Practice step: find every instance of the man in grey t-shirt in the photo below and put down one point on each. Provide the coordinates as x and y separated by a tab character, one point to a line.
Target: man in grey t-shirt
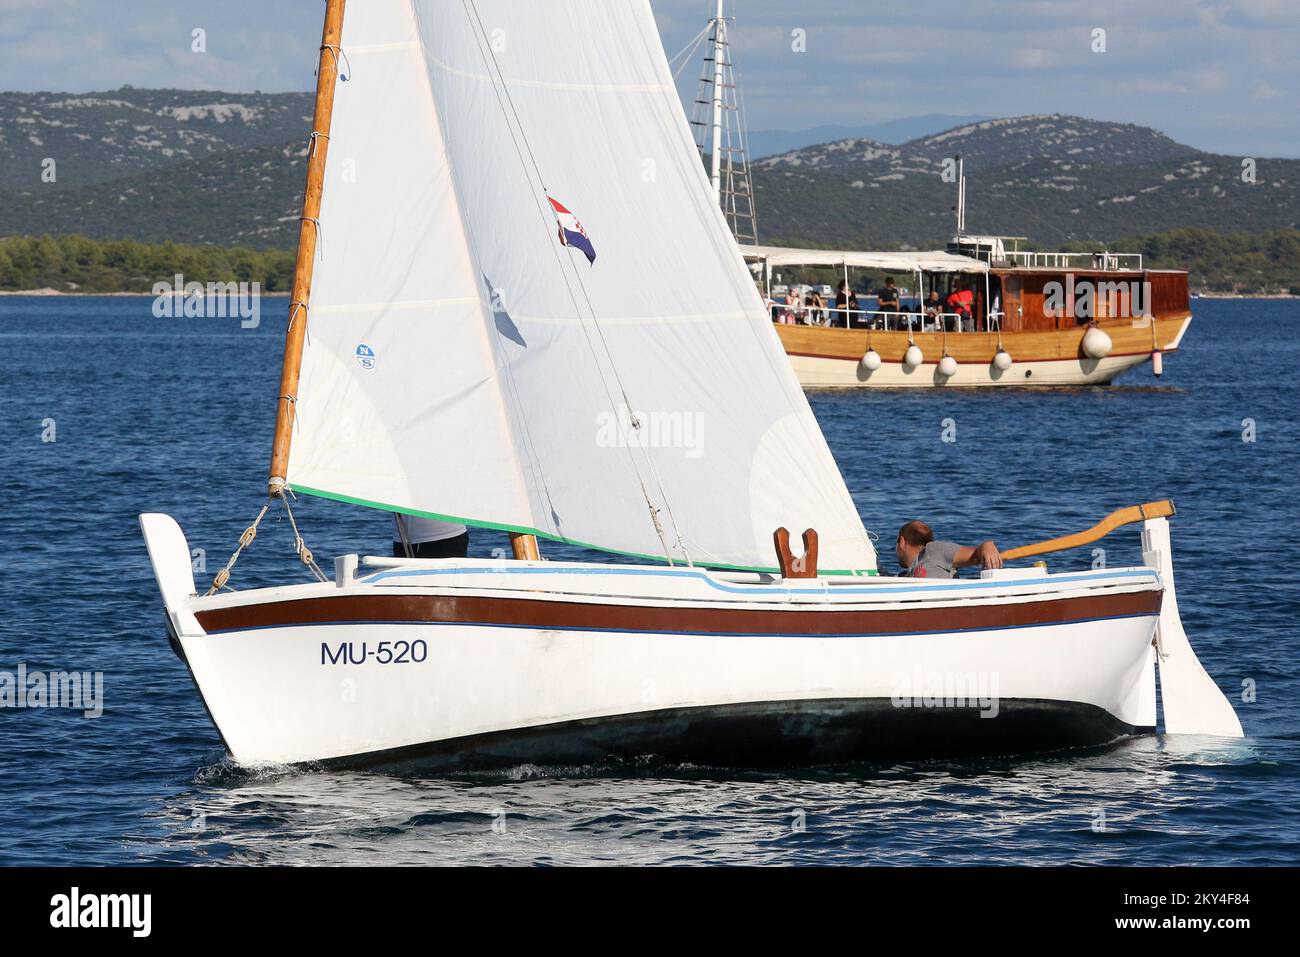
920	556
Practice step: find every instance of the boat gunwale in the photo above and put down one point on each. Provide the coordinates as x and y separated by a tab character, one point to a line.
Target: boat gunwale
836	600
547	613
873	585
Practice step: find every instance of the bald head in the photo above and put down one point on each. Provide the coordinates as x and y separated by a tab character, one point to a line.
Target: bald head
912	538
916	533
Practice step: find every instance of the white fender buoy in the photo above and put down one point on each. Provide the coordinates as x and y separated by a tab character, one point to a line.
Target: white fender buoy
1157	362
947	367
1096	344
1002	359
913	357
871	360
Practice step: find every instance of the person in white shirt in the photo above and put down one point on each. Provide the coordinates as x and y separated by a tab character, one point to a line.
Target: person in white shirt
428	538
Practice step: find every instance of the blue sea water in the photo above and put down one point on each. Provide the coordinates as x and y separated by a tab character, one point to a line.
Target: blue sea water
175	415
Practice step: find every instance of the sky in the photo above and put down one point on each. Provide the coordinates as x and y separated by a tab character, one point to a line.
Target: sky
1219	75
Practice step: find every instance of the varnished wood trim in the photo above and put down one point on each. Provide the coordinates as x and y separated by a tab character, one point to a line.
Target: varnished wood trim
976	348
566	615
1113	355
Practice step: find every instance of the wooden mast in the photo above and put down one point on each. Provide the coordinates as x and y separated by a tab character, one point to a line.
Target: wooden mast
525	547
327	71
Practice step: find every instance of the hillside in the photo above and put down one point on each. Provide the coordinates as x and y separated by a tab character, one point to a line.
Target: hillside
1055	140
190	166
99	137
771	142
1052	178
227	169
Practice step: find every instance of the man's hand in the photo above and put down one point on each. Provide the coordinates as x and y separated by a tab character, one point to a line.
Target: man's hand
988	555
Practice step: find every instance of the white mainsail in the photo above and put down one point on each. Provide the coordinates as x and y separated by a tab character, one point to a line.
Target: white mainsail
462	363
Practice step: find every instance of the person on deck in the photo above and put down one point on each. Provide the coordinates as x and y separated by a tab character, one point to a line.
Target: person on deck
793	305
962	302
429	538
815	307
846	305
887	299
920	556
933	307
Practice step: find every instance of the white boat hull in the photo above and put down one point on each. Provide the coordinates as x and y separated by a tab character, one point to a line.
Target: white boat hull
832	358
468	663
484	695
822	372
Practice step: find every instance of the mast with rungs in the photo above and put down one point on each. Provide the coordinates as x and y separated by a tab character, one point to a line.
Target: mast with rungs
719	133
327	72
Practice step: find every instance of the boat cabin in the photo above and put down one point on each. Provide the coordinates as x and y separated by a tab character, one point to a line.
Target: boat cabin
1036	290
984	284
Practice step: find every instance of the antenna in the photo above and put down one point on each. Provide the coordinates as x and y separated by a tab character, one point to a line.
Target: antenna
961	196
719	34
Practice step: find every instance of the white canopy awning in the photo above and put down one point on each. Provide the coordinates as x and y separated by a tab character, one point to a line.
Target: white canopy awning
931	261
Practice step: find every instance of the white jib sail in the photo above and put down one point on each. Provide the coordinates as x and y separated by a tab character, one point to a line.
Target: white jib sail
462	363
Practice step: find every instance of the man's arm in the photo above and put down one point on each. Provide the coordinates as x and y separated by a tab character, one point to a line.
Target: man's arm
985	554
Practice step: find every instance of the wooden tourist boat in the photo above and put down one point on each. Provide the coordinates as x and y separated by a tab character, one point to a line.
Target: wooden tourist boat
1036	318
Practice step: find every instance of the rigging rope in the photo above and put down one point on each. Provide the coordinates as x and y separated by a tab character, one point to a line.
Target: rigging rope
299	546
304	553
313	140
335	51
320	232
250	533
689	50
293	310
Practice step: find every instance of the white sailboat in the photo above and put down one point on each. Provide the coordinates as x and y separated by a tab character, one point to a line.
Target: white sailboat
467	351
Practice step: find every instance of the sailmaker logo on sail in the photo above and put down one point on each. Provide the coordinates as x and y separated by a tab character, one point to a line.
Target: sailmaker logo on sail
571	231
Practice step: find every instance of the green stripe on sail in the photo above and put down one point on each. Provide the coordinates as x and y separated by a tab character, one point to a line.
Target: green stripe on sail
525	530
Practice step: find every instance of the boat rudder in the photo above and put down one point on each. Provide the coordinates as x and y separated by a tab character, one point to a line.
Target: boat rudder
1191	701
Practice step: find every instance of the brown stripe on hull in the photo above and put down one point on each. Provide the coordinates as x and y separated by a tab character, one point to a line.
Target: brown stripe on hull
562	615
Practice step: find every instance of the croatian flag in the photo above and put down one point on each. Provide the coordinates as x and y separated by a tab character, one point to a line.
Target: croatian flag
571	231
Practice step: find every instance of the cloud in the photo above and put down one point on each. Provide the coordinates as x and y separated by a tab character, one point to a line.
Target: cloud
865	62
1031	58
